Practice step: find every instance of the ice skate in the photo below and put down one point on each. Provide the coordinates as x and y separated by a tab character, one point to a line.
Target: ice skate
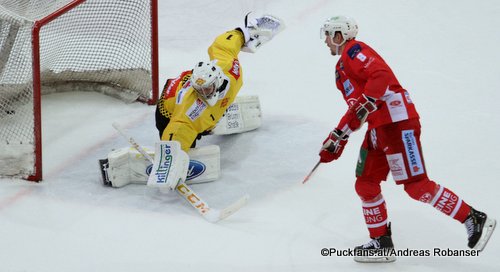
479	228
103	166
378	250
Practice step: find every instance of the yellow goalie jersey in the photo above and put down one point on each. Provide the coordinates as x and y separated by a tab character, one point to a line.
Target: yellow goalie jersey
189	115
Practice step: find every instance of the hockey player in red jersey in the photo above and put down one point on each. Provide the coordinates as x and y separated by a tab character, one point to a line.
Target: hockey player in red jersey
392	141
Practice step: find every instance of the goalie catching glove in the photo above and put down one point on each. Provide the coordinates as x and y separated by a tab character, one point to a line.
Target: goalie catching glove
260	29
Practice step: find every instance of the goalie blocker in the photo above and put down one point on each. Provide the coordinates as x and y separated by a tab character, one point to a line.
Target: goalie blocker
126	165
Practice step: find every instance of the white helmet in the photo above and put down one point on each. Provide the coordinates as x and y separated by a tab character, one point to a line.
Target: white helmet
206	79
345	25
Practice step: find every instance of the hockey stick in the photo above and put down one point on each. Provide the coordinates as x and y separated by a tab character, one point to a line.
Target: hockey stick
132	142
310	173
211	215
325	146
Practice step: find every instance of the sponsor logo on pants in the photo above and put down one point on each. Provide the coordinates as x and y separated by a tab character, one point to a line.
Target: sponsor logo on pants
397	166
412	153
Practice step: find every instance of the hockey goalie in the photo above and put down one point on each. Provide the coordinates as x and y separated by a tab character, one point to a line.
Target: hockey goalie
199	102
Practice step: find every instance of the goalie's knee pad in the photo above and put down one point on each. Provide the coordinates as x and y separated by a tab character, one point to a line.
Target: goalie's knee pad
243	115
422	190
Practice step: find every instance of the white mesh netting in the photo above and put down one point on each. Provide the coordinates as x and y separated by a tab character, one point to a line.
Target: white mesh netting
99	45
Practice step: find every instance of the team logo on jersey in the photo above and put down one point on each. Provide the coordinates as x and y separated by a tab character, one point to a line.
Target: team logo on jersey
235	69
337	75
196	168
412	153
196	109
348	87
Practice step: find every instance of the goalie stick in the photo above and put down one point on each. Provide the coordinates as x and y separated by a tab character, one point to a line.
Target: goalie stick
210	214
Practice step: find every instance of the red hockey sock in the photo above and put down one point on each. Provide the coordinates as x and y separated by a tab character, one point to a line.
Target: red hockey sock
450	204
375	214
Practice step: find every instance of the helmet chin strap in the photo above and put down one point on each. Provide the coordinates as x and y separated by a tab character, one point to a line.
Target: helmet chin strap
337	45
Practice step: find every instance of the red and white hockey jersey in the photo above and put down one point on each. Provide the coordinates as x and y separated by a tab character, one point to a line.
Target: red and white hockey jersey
360	70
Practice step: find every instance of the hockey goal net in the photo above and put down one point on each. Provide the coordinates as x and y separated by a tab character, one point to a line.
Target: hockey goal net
46	46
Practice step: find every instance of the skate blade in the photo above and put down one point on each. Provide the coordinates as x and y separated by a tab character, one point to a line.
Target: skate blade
488	229
385	259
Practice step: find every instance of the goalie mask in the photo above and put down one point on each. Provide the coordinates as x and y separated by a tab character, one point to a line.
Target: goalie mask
206	80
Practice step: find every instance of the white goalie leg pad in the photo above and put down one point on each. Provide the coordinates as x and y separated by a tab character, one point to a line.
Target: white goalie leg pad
170	166
204	164
127	165
243	115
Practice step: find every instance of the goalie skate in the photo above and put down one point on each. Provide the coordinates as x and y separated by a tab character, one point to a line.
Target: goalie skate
103	166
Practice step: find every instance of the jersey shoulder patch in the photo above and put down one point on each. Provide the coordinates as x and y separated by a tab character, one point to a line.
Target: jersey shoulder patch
185	76
172	85
354	50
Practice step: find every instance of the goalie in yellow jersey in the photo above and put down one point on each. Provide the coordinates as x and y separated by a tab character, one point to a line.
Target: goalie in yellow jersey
198	102
192	104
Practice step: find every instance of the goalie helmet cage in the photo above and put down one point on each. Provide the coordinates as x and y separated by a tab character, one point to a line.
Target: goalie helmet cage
48	46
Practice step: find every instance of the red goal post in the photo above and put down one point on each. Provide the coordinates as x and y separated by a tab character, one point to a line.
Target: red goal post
48	46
